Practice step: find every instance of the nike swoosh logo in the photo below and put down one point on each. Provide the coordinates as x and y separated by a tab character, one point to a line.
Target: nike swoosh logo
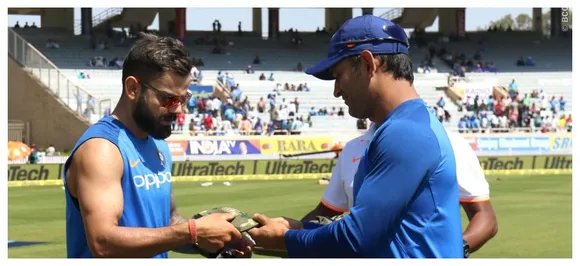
355	159
135	163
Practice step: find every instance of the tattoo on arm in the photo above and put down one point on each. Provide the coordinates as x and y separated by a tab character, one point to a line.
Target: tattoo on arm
175	217
178	219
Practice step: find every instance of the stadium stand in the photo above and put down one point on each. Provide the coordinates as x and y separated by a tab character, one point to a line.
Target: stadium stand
74	54
504	49
508	93
94	65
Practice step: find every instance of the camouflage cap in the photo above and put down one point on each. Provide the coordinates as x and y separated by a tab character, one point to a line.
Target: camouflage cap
242	221
326	220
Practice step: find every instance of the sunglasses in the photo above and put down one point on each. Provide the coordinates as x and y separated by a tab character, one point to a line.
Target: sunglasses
169	100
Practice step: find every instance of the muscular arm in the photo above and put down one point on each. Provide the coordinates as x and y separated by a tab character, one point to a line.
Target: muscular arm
482	224
94	178
176	219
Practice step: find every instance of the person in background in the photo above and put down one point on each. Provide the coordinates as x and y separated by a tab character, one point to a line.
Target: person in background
33	157
50	150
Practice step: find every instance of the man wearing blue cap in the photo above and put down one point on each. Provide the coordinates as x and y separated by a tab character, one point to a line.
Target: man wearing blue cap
406	202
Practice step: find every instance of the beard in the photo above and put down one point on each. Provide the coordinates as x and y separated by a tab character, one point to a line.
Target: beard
149	122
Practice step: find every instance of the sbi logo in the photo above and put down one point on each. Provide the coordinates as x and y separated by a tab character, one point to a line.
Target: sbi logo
562	143
149	181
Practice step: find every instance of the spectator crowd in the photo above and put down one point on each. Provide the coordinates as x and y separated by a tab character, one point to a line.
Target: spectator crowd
537	111
209	115
274	114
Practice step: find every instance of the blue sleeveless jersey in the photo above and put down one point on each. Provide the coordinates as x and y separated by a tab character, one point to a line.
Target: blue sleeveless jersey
146	184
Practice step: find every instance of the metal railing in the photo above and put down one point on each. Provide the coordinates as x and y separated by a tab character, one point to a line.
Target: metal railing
64	89
185	133
317	132
393	13
506	130
99	18
19	131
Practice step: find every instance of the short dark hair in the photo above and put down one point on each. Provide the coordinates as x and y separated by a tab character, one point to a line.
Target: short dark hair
152	56
399	65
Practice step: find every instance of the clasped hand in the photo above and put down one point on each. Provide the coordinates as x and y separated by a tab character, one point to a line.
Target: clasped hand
215	232
271	234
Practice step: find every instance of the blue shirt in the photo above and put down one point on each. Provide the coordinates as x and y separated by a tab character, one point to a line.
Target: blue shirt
230	82
513	86
284	124
296	125
406	197
229	114
236	95
192	102
553	103
146	184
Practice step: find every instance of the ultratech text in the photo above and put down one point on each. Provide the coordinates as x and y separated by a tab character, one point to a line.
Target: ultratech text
502	163
300	167
208	169
555	162
33	172
526	162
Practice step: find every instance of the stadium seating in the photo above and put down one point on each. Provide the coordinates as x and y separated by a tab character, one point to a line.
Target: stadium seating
553	84
75	51
281	57
504	49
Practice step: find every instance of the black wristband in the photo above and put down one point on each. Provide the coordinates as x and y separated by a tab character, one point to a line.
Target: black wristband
466	249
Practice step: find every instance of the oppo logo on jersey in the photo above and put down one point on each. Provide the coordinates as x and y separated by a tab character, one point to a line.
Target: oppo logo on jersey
149	181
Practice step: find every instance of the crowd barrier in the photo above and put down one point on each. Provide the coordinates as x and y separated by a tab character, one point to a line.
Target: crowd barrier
236	170
267	147
507	144
522	143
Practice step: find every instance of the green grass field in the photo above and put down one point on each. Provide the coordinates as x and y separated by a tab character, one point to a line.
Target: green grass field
534	212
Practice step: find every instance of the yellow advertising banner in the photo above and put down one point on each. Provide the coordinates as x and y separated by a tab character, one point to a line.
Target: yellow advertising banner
294	145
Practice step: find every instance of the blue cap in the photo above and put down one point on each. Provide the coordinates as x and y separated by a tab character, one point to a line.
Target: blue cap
367	32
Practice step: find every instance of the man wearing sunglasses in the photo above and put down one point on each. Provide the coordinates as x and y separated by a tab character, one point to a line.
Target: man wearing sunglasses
119	200
406	202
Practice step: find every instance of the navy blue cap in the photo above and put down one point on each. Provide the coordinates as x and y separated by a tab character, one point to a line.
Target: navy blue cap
367	32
